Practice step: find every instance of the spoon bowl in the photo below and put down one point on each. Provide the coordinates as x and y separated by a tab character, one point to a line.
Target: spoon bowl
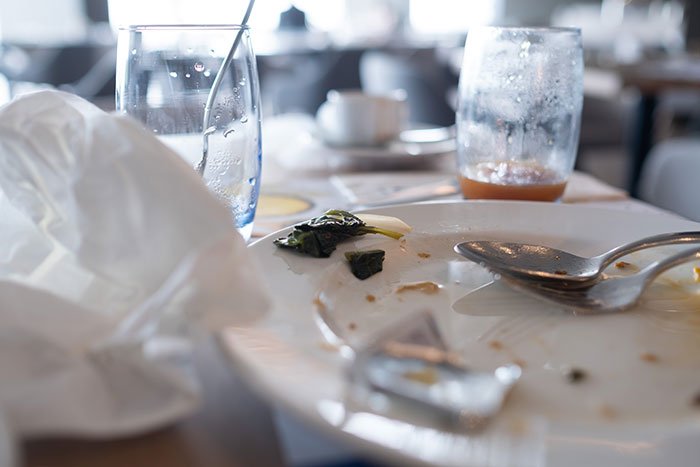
553	267
610	295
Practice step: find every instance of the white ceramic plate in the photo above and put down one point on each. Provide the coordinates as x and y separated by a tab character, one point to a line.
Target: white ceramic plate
636	405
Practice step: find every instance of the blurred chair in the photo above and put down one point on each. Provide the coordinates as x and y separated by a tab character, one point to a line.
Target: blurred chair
671	177
418	72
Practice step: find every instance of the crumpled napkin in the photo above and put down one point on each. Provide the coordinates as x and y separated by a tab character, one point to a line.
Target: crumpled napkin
113	254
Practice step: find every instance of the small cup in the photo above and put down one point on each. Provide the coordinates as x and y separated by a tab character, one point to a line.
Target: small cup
353	118
519	112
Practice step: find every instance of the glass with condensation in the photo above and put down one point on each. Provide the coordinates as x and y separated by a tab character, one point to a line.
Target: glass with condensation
519	112
165	74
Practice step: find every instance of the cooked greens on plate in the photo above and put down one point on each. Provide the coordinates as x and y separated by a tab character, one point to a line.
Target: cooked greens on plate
319	236
364	264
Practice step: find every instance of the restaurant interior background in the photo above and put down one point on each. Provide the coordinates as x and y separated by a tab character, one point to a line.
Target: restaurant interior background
307	47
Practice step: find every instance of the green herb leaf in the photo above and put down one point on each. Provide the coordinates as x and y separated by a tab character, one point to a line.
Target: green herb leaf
364	264
319	236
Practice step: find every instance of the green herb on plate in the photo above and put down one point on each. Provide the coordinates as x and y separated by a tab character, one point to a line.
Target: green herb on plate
319	236
364	264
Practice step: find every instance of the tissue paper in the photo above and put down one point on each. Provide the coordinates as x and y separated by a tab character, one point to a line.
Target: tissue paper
113	250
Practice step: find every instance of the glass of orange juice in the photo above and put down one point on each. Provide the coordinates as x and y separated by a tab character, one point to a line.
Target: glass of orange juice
519	112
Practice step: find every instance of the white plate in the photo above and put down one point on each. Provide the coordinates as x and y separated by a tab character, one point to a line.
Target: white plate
643	367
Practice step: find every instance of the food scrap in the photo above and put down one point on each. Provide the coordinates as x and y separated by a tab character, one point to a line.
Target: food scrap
428	288
427	376
607	411
695	401
649	357
696	274
622	264
561	272
364	264
575	375
370	298
424	255
495	345
318	237
352	326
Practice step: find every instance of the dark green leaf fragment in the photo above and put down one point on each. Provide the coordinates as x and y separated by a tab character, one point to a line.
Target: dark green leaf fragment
319	236
364	264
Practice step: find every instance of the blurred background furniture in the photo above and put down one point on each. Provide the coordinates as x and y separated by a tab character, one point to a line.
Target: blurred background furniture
669	177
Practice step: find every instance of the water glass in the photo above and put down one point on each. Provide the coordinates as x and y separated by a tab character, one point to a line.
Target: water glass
164	77
519	112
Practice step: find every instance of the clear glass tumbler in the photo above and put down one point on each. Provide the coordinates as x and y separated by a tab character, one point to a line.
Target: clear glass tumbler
519	112
164	76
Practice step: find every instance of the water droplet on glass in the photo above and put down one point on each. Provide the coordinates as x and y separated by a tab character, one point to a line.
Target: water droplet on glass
510	139
244	119
133	51
207	73
199	67
241	82
210	131
187	75
252	181
550	142
212	52
518	99
173	74
189	50
525	48
228	131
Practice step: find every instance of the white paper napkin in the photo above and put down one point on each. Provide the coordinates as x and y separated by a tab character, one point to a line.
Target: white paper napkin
113	253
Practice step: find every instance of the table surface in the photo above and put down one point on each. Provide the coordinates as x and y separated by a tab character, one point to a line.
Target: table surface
234	427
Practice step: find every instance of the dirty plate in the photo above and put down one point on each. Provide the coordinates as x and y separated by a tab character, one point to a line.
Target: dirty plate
619	389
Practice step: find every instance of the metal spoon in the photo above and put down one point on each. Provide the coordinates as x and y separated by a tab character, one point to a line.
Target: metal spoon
613	294
555	267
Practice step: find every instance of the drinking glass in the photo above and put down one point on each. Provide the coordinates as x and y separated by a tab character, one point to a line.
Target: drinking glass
164	77
519	112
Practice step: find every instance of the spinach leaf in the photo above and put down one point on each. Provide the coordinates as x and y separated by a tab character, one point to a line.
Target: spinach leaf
319	236
364	264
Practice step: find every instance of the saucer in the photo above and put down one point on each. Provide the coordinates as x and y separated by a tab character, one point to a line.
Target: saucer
414	147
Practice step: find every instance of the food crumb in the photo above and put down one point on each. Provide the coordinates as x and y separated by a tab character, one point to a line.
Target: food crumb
575	375
327	346
695	401
649	357
428	288
424	255
520	363
352	326
622	264
495	345
557	257
607	411
427	376
696	274
561	272
370	298
318	303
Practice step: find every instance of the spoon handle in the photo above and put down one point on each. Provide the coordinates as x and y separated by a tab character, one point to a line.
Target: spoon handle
673	238
654	269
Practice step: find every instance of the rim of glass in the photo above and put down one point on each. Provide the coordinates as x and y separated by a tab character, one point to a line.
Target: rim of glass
533	28
169	27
